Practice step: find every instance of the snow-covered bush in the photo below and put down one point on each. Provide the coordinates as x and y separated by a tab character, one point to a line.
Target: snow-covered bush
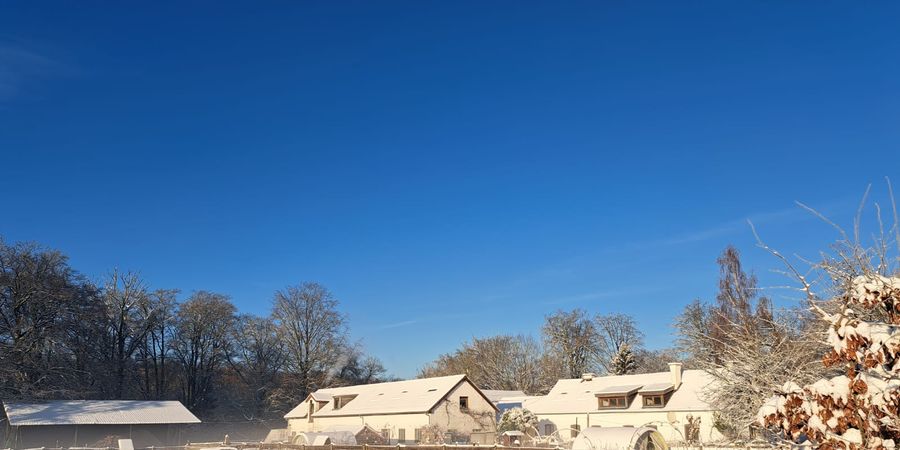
517	419
860	409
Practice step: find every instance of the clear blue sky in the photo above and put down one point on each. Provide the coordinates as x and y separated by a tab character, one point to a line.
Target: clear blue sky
447	169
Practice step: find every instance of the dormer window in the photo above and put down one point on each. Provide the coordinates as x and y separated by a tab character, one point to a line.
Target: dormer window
341	401
654	401
613	402
616	397
656	395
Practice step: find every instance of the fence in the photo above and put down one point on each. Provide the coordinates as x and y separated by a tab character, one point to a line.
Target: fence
277	446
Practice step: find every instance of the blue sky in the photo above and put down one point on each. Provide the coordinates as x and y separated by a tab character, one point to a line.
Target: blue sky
447	169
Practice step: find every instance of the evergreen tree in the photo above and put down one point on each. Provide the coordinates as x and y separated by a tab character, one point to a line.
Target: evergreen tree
624	362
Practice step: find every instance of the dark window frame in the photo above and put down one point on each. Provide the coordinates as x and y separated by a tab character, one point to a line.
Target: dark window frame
464	403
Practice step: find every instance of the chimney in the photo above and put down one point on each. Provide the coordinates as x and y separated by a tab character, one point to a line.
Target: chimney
675	368
587	376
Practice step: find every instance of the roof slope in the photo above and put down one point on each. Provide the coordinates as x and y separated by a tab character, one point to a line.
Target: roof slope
97	412
578	396
397	397
497	395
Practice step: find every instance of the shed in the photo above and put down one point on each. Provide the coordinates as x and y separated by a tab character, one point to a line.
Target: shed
74	423
512	438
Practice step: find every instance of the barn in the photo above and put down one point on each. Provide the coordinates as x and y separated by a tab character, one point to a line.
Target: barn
94	423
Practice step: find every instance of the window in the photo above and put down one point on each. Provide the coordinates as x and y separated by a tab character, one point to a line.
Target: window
548	429
464	404
340	402
612	402
401	435
575	430
386	434
654	401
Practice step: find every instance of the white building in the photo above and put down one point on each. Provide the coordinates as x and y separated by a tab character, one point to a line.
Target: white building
663	400
75	423
402	411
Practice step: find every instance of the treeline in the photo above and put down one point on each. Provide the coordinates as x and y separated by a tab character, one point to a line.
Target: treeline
739	338
63	336
571	343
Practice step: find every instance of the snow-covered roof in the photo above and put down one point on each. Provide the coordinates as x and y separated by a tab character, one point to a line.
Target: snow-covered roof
495	395
627	389
657	388
580	396
97	412
397	397
320	396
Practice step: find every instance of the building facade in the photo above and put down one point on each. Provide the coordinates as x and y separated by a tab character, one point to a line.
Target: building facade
92	423
672	402
423	410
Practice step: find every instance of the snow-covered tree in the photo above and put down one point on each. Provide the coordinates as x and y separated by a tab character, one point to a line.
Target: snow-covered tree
857	406
624	362
517	419
860	409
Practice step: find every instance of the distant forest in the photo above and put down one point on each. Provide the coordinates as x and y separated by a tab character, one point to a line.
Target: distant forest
64	336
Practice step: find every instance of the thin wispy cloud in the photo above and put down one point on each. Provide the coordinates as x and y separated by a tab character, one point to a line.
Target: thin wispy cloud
390	326
786	215
739	225
22	67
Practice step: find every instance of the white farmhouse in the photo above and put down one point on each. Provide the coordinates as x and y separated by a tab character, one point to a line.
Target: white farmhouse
664	400
402	411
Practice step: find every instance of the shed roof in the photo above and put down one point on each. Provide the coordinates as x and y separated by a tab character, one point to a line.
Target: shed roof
495	395
618	390
580	396
97	412
657	388
397	397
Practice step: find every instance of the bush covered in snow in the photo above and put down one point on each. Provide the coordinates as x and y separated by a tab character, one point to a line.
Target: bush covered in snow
860	409
517	419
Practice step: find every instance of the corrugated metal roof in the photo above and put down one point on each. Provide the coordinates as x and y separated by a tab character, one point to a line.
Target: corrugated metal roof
97	412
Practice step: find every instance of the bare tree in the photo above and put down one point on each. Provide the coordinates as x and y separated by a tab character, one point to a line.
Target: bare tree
200	343
651	361
615	332
129	317
356	367
40	296
154	355
256	357
498	362
572	338
746	347
314	334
